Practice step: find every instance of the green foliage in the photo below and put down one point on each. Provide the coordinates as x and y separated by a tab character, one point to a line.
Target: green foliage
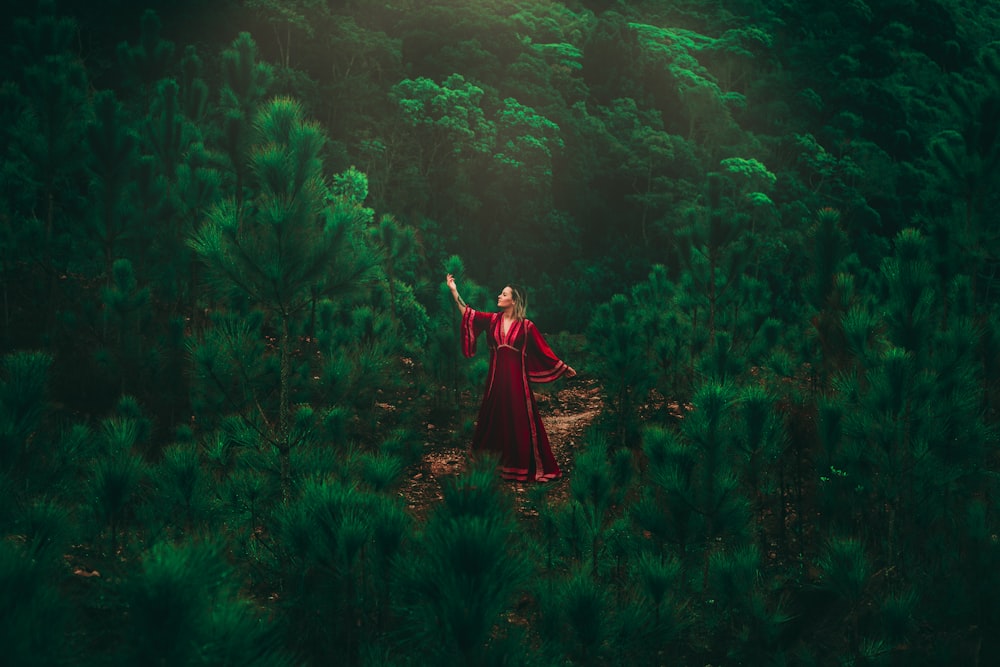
846	570
24	378
760	438
660	578
621	367
113	489
33	615
47	527
246	80
382	471
600	482
182	485
112	155
292	244
800	354
186	610
580	612
147	61
675	53
829	245
230	358
912	299
463	575
450	376
450	112
334	545
289	213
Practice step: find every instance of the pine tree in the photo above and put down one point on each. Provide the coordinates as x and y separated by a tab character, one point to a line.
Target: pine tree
714	294
185	608
600	481
182	486
664	331
284	248
622	367
114	489
694	501
245	84
127	311
462	577
149	61
966	158
24	406
903	436
334	551
112	156
47	142
34	617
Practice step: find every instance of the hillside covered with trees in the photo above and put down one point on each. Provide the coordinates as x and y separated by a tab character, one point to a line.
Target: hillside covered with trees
765	232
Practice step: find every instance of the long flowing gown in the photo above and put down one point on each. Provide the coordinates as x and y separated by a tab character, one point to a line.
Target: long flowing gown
509	424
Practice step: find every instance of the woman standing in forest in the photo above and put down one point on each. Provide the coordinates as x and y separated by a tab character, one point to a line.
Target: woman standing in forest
509	424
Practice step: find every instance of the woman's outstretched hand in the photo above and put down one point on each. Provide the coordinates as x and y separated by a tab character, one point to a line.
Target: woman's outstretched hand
570	372
450	281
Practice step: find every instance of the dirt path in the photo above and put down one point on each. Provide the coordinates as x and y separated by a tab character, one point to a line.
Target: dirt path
566	414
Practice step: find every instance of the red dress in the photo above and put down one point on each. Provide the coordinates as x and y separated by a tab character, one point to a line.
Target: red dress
509	424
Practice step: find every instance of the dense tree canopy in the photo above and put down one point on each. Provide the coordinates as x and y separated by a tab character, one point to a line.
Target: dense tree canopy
765	229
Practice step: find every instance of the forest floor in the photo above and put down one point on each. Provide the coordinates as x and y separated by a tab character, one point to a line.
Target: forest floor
566	414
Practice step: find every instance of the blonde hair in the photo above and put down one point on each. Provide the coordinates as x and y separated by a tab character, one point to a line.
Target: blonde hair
520	298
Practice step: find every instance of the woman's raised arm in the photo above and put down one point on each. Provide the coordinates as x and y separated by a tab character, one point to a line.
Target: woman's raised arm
450	280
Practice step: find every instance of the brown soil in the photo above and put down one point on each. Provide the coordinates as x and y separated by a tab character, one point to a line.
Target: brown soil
566	413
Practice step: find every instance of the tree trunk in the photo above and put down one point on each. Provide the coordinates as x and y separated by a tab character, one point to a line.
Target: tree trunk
284	445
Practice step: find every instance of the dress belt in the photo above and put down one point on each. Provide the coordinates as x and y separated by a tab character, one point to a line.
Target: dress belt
506	345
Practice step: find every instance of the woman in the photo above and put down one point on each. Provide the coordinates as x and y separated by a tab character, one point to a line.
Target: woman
509	424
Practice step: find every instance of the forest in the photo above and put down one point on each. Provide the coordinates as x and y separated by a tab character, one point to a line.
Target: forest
765	234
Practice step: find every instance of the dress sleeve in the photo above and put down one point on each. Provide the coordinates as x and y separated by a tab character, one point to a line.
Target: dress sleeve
540	362
473	324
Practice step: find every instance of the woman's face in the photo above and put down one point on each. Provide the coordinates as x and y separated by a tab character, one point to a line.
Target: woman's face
505	299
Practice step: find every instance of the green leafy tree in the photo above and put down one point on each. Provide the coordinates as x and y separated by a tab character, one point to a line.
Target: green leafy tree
127	313
695	477
966	159
336	548
463	576
519	196
290	22
725	305
707	108
24	409
112	156
622	366
47	142
902	433
642	156
449	129
34	614
187	609
291	244
245	83
151	59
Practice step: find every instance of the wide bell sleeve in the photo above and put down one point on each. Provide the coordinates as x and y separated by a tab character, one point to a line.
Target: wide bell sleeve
473	324
540	363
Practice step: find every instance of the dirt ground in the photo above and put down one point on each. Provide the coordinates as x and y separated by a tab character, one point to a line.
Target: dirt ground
566	414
